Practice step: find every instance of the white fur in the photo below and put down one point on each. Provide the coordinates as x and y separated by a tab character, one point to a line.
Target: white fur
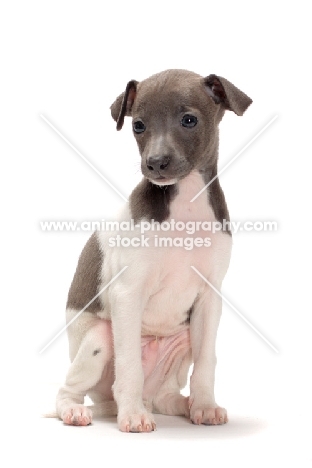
160	286
166	182
132	357
151	297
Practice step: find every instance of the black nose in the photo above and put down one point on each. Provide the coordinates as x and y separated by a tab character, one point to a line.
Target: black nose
158	163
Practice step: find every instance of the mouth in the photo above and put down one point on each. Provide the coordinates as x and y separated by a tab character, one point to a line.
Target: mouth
163	181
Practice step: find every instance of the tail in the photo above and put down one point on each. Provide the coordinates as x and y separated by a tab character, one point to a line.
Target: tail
53	414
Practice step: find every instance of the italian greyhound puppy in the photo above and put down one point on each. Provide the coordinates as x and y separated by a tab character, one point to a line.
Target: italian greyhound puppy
132	346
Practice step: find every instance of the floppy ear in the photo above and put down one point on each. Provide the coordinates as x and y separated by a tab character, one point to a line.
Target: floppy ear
123	104
225	93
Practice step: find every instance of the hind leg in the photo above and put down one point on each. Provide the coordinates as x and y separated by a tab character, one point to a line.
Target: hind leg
169	399
171	402
94	353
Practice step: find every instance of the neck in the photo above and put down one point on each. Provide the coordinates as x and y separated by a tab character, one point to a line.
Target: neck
182	208
149	201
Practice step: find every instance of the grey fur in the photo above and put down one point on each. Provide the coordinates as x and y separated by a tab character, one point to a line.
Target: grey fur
177	113
170	94
86	279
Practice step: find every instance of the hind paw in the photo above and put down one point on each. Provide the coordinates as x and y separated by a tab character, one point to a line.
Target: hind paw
77	415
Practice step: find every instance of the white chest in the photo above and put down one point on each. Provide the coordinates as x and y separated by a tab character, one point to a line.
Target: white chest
186	241
162	267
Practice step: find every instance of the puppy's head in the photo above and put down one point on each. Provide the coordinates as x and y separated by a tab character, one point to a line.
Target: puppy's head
175	116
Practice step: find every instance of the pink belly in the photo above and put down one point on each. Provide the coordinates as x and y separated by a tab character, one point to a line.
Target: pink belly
162	356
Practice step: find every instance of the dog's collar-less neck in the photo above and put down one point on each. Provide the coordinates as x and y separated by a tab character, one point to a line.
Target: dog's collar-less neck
150	201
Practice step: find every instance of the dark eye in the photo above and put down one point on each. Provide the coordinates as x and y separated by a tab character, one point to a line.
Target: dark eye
189	121
138	126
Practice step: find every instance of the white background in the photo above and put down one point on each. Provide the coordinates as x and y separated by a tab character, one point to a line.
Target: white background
68	61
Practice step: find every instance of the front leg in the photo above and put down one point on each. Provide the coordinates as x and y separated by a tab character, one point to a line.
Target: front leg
203	329
129	377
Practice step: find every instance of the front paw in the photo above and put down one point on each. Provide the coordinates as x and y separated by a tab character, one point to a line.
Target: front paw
137	422
208	414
